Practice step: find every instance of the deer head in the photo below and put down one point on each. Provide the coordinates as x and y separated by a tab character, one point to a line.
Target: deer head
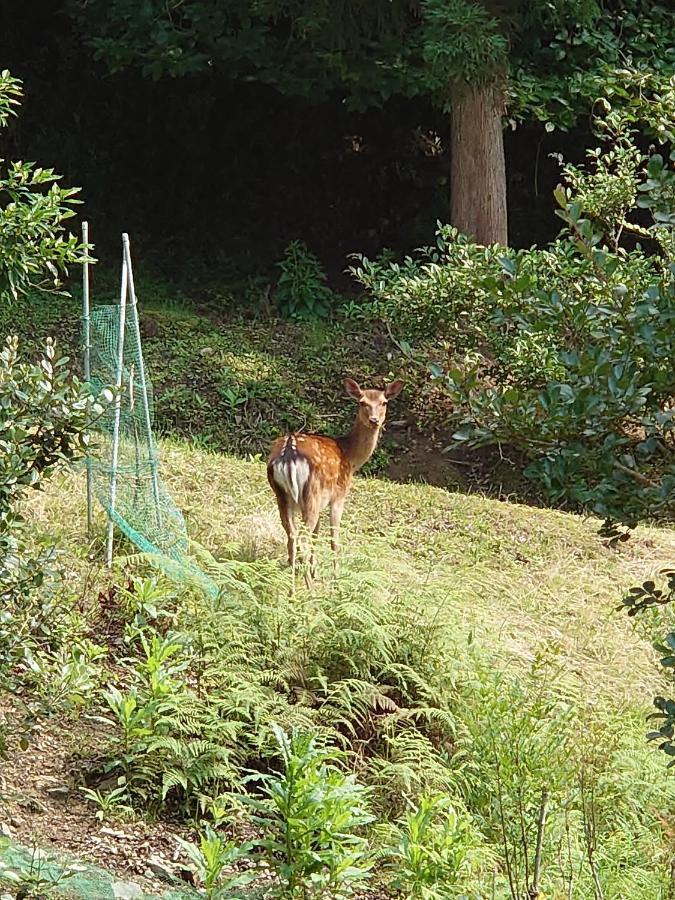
372	403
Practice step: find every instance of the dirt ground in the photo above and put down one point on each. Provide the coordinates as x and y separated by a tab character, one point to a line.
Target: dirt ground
41	805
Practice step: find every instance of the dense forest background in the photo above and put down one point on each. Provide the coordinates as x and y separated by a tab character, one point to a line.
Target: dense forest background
227	173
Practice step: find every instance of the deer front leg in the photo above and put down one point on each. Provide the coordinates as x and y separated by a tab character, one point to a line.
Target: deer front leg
336	509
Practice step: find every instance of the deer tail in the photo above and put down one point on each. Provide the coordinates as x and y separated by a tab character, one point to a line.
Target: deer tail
290	470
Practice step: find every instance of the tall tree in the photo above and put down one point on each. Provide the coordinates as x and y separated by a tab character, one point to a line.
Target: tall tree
488	63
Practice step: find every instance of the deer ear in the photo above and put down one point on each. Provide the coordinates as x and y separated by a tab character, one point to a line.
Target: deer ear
353	389
393	390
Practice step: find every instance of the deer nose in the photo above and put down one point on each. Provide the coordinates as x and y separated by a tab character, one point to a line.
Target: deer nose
374	420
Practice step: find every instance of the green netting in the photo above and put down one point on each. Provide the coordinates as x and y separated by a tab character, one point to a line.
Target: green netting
132	492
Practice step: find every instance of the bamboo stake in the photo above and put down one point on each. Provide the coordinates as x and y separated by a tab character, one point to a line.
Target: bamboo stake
533	892
118	402
87	362
142	383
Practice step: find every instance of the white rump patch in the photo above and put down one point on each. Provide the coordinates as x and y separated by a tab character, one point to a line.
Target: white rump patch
291	476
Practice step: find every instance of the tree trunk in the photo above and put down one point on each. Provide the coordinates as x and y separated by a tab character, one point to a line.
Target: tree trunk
477	168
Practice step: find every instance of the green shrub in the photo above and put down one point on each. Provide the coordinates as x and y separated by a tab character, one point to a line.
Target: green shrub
169	746
301	291
386	675
652	596
566	352
434	852
44	416
311	815
212	859
35	249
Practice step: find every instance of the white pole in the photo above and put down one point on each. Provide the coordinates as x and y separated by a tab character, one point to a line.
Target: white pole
133	312
87	360
118	401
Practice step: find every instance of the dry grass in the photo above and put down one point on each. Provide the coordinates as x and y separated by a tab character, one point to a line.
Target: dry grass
516	577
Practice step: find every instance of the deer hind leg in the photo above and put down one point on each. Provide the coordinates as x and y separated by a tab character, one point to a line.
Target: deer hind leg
311	513
287	516
336	509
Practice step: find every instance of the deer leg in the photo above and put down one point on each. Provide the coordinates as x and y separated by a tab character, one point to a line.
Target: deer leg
287	516
312	556
336	509
311	516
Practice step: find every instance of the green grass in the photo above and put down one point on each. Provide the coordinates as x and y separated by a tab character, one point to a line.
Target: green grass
518	605
513	575
467	645
231	381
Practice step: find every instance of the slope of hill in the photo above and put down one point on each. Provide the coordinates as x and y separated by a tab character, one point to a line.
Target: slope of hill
486	630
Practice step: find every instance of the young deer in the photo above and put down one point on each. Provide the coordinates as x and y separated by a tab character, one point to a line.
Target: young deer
309	472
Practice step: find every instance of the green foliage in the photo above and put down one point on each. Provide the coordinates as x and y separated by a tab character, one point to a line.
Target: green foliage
569	54
212	858
636	601
311	815
236	388
434	852
171	745
111	805
63	678
522	733
41	879
372	675
10	96
564	352
379	664
35	250
419	714
557	57
461	42
44	416
301	290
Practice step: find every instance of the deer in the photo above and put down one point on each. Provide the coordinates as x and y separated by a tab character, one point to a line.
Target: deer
309	472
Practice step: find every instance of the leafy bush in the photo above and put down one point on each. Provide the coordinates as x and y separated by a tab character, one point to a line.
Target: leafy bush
170	744
301	290
434	851
417	712
652	596
212	859
44	416
35	249
564	353
310	816
213	675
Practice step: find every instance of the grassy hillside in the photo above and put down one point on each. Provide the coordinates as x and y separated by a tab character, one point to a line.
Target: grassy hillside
512	575
467	646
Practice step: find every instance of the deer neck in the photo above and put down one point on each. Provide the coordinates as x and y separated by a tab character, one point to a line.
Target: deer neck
359	444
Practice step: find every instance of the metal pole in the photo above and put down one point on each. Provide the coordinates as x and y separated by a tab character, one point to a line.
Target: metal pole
87	361
118	403
133	312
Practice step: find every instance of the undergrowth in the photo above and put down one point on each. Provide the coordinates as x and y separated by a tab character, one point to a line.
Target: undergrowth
461	675
378	698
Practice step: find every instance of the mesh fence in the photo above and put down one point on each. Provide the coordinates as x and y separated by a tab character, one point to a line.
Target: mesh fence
131	491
